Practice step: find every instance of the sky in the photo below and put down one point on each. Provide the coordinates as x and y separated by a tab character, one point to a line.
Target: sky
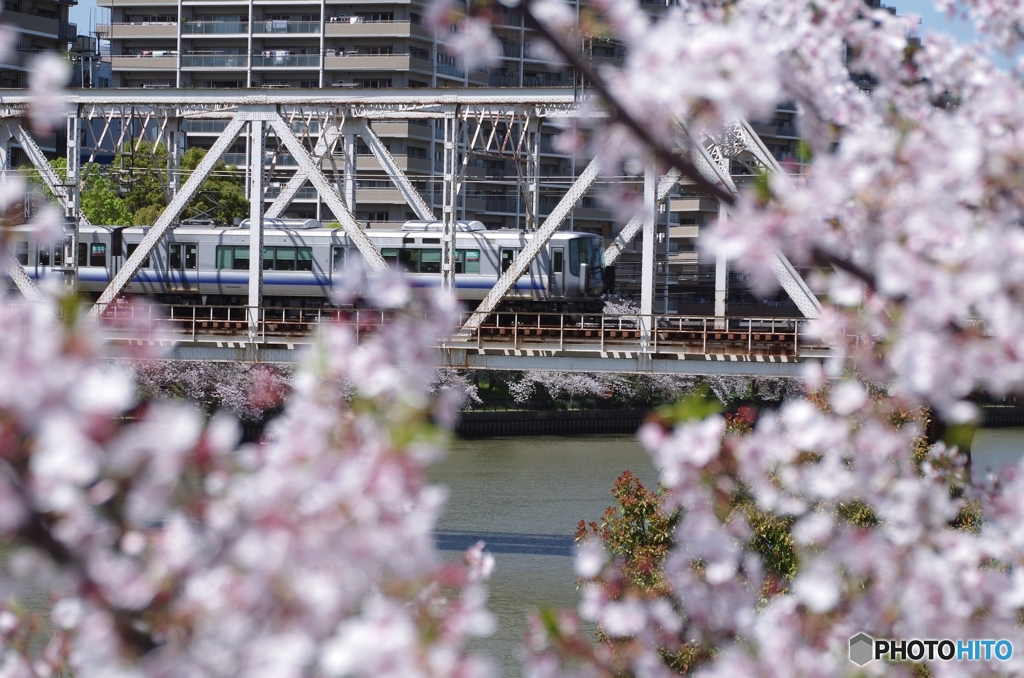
931	20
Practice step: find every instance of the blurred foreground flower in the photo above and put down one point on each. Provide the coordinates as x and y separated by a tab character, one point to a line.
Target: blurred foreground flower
165	550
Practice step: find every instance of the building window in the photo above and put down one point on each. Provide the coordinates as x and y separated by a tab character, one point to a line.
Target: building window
381	83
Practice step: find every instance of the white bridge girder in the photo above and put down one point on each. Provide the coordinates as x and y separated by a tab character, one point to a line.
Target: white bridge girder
483	122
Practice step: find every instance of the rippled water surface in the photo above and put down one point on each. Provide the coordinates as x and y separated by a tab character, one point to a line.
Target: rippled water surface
526	495
993	448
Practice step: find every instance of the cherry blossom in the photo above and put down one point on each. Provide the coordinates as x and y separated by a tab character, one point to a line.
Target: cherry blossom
167	549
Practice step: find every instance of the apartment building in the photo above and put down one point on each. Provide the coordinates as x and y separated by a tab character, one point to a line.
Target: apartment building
39	25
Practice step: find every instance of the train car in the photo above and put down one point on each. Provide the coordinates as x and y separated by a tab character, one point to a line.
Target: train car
302	261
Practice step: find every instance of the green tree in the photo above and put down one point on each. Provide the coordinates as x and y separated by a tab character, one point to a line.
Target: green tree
101	204
99	201
143	176
147	189
222	196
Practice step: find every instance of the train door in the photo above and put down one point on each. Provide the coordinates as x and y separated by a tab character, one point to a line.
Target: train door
182	267
556	277
506	257
337	263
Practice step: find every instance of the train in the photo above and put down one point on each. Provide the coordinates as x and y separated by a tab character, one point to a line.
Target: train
303	261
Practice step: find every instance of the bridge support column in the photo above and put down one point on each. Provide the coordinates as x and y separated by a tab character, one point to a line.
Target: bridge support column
6	135
649	217
255	227
451	197
349	149
721	278
533	174
72	207
175	152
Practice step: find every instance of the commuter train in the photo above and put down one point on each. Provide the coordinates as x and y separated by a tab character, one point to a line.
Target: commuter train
302	261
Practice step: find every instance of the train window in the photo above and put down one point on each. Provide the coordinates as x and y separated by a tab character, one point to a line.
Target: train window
225	256
21	252
58	255
191	256
430	261
98	254
44	255
83	254
574	256
233	257
268	258
175	256
507	257
131	250
390	255
467	261
285	259
558	261
304	259
338	259
409	260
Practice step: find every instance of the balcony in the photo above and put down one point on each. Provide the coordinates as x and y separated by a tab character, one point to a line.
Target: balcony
204	126
29	23
303	194
375	62
286	61
404	162
694	205
151	61
381	196
503	17
450	69
198	28
214	60
137	30
376	29
280	27
393	128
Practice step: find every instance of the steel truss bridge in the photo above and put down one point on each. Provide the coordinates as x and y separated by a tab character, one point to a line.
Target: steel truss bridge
505	340
312	126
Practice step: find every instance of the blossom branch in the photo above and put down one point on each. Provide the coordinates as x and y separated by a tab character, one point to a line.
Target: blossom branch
619	114
36	531
826	258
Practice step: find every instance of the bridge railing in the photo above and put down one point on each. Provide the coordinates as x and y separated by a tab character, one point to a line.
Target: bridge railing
595	333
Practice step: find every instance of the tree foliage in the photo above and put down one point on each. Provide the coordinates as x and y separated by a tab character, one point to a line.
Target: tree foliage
99	199
135	188
148	189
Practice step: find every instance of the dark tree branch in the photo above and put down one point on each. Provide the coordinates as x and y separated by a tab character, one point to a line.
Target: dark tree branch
825	258
619	114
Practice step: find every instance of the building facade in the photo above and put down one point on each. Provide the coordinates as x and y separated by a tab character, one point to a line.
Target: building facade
39	26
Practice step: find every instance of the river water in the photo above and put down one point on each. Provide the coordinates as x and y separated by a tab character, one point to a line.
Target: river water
524	496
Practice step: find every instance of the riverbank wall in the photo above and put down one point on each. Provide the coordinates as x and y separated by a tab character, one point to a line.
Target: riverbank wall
548	422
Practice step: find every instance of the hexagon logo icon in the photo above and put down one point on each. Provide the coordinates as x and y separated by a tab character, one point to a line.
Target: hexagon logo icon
862	649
